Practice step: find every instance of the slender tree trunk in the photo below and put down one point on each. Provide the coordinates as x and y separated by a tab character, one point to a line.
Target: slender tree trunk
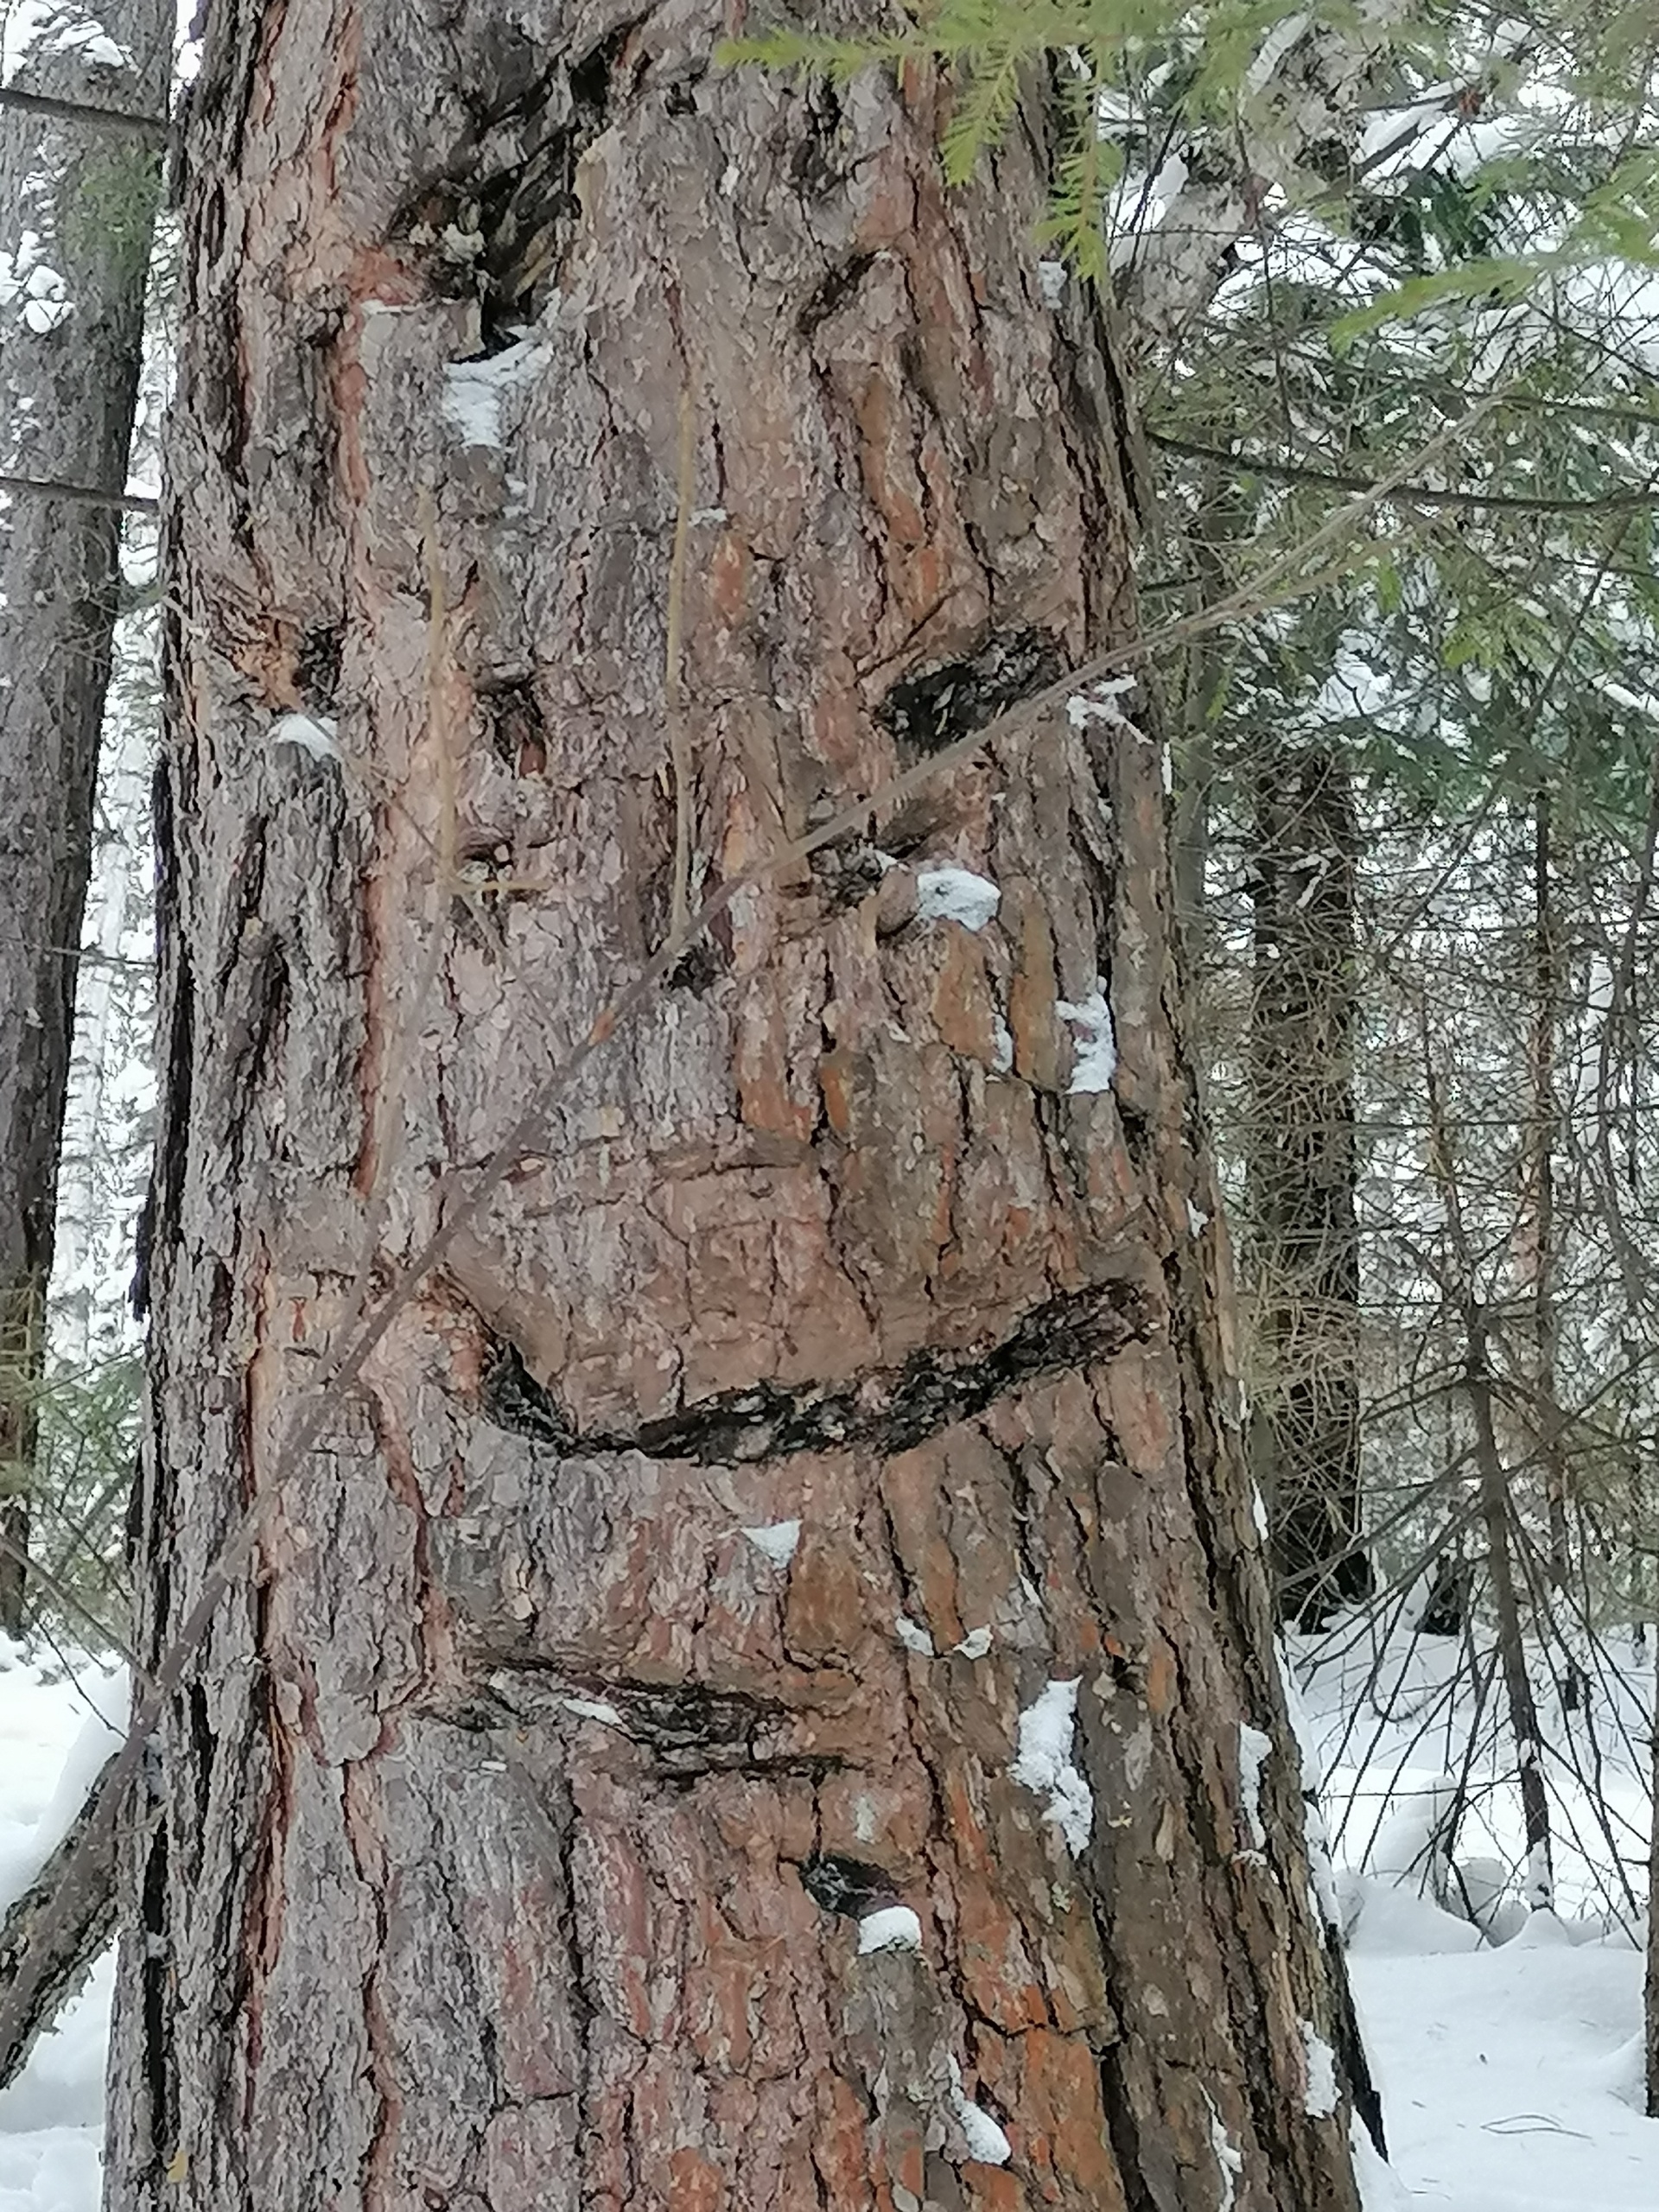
1495	1513
1538	1189
1546	1428
1303	1241
1506	1606
69	362
802	1494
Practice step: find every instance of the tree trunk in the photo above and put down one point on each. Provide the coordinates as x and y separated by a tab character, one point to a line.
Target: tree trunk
69	360
1495	1513
801	1499
1480	1383
1537	1237
1304	1241
66	1918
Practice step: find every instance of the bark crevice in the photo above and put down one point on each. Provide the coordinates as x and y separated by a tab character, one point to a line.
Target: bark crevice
886	1410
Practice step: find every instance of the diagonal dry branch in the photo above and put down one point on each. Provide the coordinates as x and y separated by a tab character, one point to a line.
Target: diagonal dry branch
1634	499
155	130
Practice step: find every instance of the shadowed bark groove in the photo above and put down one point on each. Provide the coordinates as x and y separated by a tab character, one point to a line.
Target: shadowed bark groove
890	1409
834	1380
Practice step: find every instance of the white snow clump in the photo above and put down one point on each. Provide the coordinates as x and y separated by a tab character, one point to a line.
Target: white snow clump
1044	1763
474	390
956	894
777	1541
1254	1751
1096	1060
986	2144
894	1928
1321	2096
316	735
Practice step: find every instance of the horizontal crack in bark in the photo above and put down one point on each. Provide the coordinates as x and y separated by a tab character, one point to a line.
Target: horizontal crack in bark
891	1408
690	1728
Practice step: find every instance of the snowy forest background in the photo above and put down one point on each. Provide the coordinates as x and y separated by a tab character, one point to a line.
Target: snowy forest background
1390	282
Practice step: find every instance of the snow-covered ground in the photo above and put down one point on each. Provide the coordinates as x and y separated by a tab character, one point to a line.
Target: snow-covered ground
1510	2072
1511	2078
1510	2069
1404	1722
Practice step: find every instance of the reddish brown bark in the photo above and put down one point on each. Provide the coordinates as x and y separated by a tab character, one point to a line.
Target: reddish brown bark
507	1819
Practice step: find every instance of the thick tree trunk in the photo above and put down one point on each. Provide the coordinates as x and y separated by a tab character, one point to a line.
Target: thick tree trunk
802	1494
1304	1245
69	363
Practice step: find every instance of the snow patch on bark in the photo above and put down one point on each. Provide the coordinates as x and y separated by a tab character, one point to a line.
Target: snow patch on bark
1254	1750
1539	1888
1229	2159
593	1709
1044	1763
975	1644
912	1638
956	894
986	2142
1321	2096
894	1928
315	735
474	390
1096	1052
777	1541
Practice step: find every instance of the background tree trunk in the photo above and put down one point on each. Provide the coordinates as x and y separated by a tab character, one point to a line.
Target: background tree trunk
1537	1238
717	1549
1303	1234
69	371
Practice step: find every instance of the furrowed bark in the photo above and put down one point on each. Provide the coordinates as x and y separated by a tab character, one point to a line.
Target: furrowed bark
69	389
835	1380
